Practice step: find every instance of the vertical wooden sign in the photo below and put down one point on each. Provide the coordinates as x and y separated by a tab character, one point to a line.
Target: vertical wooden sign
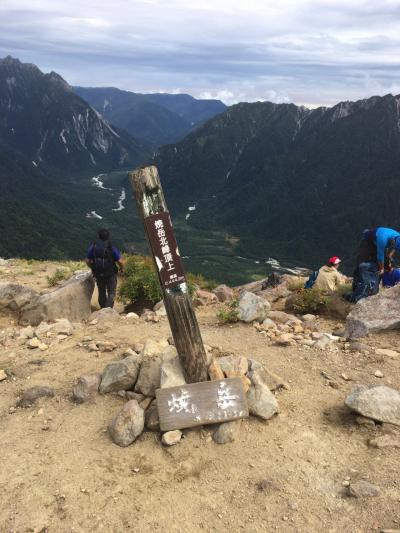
160	235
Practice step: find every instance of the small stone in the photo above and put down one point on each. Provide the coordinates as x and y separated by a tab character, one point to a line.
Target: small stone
33	343
27	333
284	340
30	396
171	373
145	403
364	421
385	441
120	375
3	375
149	376
132	316
345	377
363	489
106	346
375	401
260	399
128	424
43	347
378	374
170	438
356	346
87	338
392	354
128	352
131	395
86	387
92	347
152	421
308	317
226	432
346	483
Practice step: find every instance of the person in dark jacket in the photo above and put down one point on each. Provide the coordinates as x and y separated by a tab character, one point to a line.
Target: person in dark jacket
104	259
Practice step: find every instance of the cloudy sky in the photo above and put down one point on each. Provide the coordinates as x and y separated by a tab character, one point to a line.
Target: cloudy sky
312	52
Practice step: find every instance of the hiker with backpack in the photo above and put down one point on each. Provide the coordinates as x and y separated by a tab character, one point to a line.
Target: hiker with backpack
377	246
105	260
328	278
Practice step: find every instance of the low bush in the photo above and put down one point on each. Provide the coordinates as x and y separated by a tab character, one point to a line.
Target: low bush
140	281
59	275
198	281
229	314
309	301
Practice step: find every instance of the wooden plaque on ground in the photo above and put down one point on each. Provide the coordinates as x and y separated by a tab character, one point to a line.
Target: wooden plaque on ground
197	404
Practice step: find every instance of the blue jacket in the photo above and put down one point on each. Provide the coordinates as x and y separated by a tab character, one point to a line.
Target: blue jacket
383	236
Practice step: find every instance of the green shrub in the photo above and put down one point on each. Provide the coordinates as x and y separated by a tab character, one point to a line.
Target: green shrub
59	275
140	281
200	282
229	314
309	300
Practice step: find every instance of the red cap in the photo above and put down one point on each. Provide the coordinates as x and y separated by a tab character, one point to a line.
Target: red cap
334	260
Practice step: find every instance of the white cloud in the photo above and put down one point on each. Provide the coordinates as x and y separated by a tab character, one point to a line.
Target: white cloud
306	51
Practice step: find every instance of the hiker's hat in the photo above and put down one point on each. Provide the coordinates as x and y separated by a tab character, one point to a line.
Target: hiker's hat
334	260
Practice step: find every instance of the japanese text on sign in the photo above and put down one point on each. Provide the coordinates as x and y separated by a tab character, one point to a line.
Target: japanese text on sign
165	250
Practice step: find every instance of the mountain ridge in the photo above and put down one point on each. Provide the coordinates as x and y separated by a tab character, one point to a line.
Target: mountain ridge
157	118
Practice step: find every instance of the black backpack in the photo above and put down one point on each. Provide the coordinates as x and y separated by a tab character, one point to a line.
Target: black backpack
103	263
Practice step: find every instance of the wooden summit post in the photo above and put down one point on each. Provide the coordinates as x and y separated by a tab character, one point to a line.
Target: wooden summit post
160	235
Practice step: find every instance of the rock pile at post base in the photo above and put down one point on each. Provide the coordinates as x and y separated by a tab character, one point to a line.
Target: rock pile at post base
137	376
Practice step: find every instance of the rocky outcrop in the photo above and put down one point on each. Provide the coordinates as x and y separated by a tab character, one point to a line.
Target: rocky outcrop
71	300
375	313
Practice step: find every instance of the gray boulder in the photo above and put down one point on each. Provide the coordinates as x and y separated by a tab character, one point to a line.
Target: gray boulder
252	307
171	373
261	401
71	300
126	427
375	313
86	387
363	489
149	376
224	293
120	375
281	317
105	315
14	297
226	432
375	401
30	396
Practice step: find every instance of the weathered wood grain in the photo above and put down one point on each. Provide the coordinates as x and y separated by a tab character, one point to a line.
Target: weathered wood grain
203	403
184	327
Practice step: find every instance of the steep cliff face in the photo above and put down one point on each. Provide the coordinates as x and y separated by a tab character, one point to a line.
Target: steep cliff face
290	181
41	117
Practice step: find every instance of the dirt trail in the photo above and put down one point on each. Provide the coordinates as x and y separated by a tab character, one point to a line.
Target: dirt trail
283	475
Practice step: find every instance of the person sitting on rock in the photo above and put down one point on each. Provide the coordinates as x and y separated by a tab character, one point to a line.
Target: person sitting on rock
391	276
103	258
329	278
